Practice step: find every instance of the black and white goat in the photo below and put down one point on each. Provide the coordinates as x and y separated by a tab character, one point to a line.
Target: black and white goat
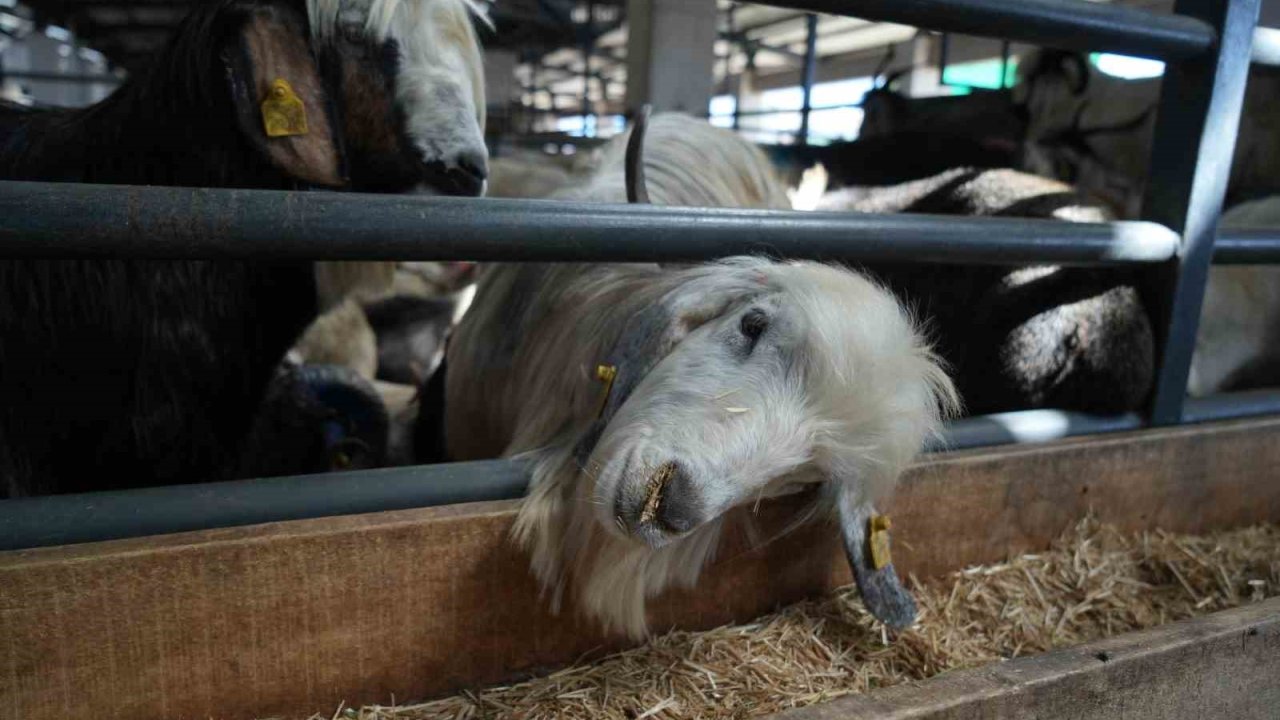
1095	131
649	402
1034	337
153	370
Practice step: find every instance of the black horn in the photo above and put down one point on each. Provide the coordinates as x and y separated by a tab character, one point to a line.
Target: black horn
865	536
637	190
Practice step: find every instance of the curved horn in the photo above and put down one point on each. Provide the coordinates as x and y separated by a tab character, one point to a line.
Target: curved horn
637	190
882	592
882	67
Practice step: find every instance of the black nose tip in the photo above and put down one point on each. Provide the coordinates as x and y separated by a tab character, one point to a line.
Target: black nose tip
679	506
465	177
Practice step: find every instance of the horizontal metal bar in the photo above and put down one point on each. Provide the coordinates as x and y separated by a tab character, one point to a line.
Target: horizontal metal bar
1028	426
1064	24
52	220
90	517
1266	46
62	78
1247	247
786	111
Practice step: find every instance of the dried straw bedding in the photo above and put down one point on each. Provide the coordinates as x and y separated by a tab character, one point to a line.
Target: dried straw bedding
1093	582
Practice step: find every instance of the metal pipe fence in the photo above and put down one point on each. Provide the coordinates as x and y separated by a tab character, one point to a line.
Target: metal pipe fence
1208	45
91	517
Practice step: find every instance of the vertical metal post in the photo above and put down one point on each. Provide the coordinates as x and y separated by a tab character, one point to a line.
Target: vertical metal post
1004	64
532	120
810	69
944	50
588	41
1195	134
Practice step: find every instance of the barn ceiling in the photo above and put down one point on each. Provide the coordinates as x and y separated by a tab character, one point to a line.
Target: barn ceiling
128	32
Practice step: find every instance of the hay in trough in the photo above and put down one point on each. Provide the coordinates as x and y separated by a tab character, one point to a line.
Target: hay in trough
1092	583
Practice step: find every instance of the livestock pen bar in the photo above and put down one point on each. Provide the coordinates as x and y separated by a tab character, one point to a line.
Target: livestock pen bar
280	618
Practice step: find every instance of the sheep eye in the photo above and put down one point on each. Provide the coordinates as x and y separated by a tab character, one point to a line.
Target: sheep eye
753	324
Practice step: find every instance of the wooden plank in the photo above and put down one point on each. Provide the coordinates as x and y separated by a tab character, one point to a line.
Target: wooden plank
292	618
1223	665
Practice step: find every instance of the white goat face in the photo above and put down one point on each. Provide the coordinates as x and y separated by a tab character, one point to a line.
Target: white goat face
722	420
739	380
817	376
426	54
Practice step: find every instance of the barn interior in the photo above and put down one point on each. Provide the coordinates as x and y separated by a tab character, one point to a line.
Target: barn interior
563	74
1071	552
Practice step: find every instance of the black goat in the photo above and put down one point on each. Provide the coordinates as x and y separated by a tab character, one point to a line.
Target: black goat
125	373
894	158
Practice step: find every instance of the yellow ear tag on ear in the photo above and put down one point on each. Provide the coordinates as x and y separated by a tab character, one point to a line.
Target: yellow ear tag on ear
283	113
606	375
879	541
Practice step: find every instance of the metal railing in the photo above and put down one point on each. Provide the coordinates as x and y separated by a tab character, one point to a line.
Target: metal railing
1207	45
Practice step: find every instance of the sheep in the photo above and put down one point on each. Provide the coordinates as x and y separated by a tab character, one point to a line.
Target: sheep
316	418
1238	341
732	381
342	336
154	368
1095	131
1065	338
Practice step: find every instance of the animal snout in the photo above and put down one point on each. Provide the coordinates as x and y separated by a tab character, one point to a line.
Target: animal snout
671	504
464	177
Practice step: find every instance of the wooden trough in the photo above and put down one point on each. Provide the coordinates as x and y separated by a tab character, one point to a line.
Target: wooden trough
295	617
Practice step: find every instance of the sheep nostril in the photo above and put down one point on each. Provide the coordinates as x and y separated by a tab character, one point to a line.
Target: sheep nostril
465	179
470	174
677	510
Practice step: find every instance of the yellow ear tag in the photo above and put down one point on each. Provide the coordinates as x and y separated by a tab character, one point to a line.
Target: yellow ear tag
606	375
283	113
879	527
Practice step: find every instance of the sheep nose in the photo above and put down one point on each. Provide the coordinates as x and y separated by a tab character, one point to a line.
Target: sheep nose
463	177
679	509
469	176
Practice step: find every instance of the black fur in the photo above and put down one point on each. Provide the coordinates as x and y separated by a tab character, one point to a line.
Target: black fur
1072	338
891	159
124	373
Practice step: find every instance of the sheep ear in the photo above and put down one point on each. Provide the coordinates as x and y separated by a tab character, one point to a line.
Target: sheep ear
882	592
637	189
280	99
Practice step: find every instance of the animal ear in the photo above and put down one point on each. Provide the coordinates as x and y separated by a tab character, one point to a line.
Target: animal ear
866	545
637	189
280	100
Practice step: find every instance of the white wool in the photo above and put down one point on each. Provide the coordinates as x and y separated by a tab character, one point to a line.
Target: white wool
687	162
440	80
841	389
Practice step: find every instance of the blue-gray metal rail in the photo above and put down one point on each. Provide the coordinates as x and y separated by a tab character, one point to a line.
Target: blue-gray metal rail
90	517
52	220
1064	24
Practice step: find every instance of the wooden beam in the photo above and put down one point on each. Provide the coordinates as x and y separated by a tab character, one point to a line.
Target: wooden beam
292	618
1223	665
